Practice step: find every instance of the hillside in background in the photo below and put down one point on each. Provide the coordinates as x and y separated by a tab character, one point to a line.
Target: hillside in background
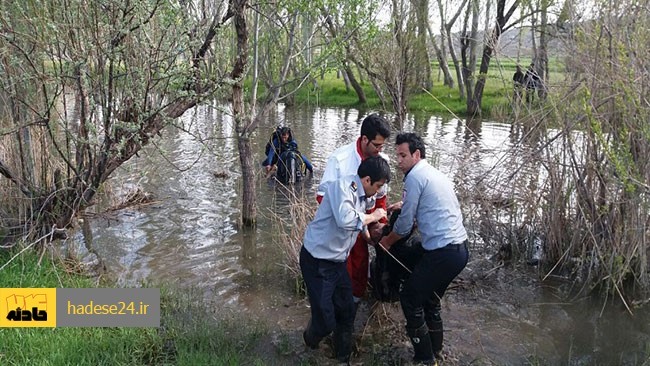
510	44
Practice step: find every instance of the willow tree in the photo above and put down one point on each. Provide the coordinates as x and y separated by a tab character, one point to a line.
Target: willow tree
86	86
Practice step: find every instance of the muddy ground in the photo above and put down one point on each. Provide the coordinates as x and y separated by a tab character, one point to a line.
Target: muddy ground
494	314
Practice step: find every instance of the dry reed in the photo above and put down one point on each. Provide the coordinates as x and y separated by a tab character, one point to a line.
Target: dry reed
290	222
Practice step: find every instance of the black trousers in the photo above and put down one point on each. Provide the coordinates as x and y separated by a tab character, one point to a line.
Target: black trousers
330	295
421	294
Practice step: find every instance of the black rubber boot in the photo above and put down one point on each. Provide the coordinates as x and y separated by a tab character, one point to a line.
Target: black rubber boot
343	345
310	339
421	344
354	313
436	336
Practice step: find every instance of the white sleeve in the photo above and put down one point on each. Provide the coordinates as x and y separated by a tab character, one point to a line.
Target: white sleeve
332	173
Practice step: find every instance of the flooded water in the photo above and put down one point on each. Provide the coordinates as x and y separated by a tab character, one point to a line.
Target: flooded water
188	237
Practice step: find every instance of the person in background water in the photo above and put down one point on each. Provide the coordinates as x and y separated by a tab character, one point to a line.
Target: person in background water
518	80
345	160
279	143
532	82
326	245
428	200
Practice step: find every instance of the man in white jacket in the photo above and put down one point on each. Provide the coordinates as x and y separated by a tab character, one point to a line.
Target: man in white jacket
344	161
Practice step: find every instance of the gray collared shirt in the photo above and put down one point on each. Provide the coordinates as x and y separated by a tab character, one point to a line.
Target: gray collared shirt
429	199
338	220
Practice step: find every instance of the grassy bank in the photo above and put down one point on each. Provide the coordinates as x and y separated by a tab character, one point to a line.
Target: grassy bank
190	334
440	100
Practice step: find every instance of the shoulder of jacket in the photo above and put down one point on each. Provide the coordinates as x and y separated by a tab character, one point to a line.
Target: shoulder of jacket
342	153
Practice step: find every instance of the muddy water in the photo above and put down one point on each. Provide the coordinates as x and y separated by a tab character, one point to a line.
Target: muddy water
188	237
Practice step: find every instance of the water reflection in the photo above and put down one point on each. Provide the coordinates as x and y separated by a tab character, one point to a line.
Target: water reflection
189	236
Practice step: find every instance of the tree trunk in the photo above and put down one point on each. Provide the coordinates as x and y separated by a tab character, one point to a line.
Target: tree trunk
469	47
542	57
348	75
423	62
94	144
249	204
464	46
474	108
441	55
256	60
361	95
459	73
445	31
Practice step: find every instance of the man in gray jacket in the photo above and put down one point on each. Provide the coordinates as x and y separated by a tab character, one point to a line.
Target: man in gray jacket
326	246
428	200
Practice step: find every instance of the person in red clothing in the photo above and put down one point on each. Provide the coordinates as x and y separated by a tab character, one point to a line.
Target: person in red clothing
345	160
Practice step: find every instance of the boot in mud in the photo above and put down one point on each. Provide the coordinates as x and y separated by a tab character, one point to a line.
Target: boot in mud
357	301
421	345
310	339
436	336
343	345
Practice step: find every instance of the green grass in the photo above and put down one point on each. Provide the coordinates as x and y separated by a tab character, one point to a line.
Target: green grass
442	100
190	334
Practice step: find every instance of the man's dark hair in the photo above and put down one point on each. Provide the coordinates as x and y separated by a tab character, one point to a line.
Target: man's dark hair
415	143
376	168
374	125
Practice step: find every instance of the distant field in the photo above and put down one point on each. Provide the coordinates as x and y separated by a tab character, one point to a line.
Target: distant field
331	91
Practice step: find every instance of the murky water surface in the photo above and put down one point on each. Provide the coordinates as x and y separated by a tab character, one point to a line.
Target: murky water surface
189	237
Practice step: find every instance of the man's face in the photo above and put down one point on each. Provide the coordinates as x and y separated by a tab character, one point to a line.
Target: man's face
372	147
406	160
369	188
285	138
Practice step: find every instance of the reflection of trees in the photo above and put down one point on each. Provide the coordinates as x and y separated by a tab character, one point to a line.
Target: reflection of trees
473	130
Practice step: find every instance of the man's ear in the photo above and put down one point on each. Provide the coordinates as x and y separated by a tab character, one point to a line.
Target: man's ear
366	180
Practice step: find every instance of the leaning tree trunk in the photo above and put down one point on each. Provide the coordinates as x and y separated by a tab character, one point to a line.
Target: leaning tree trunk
348	77
361	95
474	107
445	32
131	102
441	55
454	58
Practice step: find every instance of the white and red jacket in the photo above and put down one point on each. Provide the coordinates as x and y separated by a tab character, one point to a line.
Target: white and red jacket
345	161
